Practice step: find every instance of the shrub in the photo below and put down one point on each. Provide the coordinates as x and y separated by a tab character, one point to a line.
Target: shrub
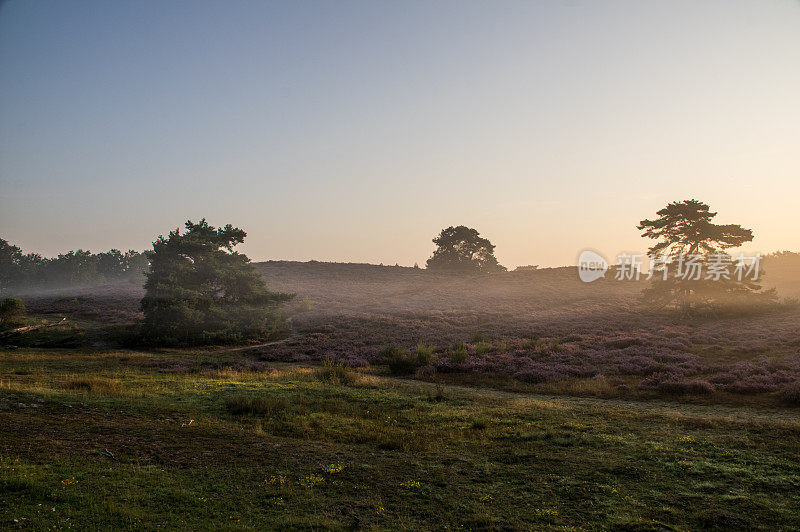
458	353
12	311
399	360
528	343
482	348
478	337
424	354
336	372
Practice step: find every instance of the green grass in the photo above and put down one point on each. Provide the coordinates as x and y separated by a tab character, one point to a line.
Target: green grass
103	440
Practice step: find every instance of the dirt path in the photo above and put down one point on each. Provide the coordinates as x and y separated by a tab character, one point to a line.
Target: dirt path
254	346
292	335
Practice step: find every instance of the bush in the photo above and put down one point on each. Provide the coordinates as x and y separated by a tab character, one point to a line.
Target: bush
528	343
401	362
481	348
336	372
12	310
458	353
424	354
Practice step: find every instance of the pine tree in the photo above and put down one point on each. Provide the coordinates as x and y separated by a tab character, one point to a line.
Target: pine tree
684	229
199	290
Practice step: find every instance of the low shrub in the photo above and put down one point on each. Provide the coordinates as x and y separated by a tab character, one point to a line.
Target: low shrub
424	354
528	343
401	362
458	353
398	359
481	348
336	372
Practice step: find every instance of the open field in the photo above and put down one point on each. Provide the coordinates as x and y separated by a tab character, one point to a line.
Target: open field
566	406
103	439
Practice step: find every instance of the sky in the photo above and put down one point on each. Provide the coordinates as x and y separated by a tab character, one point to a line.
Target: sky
356	130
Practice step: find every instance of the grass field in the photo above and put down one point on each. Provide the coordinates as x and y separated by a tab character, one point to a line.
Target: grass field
105	439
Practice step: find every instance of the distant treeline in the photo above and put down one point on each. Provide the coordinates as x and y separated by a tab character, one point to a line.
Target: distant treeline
19	269
786	257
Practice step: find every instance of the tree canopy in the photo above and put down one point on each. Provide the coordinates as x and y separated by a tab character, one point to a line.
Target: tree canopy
463	249
685	229
199	290
18	270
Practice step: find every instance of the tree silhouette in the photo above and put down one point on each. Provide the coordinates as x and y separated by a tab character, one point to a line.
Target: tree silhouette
201	291
463	249
75	267
684	229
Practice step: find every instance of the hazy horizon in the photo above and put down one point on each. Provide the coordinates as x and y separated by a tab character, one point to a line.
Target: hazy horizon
355	132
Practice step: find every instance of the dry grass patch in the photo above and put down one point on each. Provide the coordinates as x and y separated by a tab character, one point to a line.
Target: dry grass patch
95	385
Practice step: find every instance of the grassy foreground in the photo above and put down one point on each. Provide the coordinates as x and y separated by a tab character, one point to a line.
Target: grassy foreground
99	440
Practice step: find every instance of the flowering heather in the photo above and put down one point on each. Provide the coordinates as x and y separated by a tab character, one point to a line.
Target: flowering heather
538	327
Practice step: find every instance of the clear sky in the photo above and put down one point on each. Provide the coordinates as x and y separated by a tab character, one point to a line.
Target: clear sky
355	131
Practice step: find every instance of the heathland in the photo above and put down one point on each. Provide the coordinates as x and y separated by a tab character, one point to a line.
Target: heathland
399	397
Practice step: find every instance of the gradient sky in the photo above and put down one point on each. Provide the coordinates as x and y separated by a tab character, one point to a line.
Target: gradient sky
355	131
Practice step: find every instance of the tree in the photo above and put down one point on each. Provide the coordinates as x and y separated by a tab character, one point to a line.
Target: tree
10	264
199	290
684	229
114	264
463	249
75	267
71	268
